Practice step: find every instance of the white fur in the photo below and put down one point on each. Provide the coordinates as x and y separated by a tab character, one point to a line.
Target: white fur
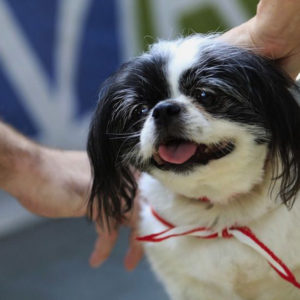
238	186
194	269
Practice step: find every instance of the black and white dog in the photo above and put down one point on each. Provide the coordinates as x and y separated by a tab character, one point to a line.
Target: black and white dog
215	129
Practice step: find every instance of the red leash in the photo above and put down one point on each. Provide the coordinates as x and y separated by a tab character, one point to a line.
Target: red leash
242	234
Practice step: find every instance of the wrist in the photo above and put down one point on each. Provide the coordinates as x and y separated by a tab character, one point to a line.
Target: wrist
54	183
58	183
22	176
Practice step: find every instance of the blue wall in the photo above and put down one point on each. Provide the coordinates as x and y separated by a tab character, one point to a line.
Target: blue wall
97	56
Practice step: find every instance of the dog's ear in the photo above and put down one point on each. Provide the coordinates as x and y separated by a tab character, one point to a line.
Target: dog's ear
114	185
275	99
284	117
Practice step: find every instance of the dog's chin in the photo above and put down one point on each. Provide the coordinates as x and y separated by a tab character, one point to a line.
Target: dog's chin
179	155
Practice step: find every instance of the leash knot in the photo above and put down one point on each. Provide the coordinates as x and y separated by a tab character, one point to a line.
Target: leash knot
225	234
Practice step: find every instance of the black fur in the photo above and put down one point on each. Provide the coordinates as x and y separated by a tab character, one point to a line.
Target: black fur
139	82
241	86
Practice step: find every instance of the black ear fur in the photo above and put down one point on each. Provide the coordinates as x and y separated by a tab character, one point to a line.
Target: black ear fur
114	185
283	117
278	111
111	138
276	104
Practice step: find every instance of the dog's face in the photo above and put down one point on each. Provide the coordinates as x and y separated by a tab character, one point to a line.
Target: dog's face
204	118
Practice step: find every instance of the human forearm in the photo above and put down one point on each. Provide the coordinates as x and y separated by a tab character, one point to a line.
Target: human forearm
48	182
15	152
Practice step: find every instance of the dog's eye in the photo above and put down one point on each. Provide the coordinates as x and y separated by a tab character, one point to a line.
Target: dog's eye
140	110
203	96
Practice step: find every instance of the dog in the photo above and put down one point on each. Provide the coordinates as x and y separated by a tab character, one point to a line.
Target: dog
215	131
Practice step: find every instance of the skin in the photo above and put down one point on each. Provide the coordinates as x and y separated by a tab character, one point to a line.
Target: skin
273	32
55	183
47	182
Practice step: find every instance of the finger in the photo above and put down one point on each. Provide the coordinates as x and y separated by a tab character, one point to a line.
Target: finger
134	253
103	246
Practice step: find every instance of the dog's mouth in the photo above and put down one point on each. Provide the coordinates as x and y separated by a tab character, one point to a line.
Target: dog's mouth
179	153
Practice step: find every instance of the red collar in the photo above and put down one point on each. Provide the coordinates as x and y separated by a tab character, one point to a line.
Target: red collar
242	234
204	199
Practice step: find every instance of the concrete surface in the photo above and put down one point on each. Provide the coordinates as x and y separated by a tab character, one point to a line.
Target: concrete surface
49	261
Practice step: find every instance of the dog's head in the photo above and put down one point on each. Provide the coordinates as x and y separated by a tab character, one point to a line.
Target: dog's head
205	118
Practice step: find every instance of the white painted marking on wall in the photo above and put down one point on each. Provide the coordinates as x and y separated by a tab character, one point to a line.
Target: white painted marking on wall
31	82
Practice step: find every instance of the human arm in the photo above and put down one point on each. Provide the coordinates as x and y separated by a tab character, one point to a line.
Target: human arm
55	183
48	182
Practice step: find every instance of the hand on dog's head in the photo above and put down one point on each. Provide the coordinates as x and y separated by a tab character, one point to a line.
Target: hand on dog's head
194	112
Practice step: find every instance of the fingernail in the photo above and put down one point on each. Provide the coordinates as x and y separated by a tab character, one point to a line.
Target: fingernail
129	265
94	263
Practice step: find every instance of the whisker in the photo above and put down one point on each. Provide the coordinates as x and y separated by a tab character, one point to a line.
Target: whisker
126	137
121	134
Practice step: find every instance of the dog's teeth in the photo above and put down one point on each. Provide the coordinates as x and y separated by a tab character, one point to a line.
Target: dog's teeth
158	159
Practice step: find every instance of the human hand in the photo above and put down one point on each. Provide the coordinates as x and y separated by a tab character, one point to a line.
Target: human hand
107	238
274	32
62	190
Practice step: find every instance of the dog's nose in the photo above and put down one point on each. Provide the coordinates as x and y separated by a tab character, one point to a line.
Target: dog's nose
165	111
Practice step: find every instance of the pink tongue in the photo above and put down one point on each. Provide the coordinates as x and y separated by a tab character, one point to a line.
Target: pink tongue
177	154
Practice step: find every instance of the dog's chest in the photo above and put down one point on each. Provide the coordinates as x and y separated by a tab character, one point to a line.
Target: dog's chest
225	262
222	260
